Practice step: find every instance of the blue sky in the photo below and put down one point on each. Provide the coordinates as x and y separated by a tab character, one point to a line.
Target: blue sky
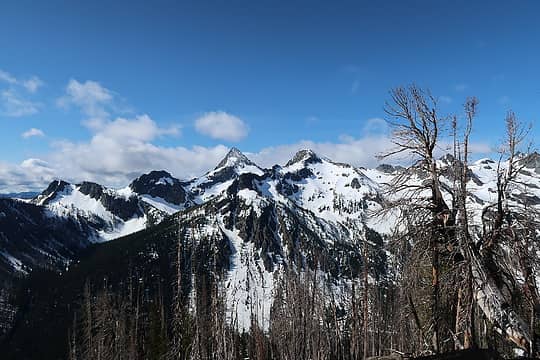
268	77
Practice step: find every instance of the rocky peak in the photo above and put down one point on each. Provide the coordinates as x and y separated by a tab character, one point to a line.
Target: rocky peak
160	184
234	158
152	179
91	189
306	156
55	187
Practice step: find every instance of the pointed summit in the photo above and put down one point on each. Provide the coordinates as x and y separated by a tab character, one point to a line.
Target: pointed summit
234	158
54	188
306	156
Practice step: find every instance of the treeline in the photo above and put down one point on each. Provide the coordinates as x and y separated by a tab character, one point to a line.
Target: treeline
310	318
461	273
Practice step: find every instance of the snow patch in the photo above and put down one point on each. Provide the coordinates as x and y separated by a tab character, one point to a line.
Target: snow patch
161	204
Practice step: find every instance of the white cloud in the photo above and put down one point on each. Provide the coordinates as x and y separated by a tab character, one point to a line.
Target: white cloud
360	152
122	149
7	77
116	153
32	133
480	148
93	99
375	126
32	84
221	125
141	128
114	158
12	104
31	174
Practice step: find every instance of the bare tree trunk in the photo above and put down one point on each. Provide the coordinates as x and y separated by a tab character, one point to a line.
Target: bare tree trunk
366	300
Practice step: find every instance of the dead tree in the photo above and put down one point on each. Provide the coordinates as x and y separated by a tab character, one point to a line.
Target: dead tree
417	128
499	229
431	224
465	303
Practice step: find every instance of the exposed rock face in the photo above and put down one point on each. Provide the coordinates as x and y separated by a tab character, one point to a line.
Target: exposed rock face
54	188
355	183
533	162
124	208
305	157
389	169
216	181
161	184
449	165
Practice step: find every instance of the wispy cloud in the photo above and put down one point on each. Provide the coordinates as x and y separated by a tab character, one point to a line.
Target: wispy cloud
97	104
355	151
375	126
7	77
32	84
355	72
33	132
12	104
221	125
91	98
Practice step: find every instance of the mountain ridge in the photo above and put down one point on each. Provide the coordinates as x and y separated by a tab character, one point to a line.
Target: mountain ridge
246	225
334	191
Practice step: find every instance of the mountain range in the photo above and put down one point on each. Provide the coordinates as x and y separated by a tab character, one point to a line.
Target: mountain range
248	221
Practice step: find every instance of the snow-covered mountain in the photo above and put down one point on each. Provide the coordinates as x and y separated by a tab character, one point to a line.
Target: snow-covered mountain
112	213
335	193
215	182
162	191
30	236
312	211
